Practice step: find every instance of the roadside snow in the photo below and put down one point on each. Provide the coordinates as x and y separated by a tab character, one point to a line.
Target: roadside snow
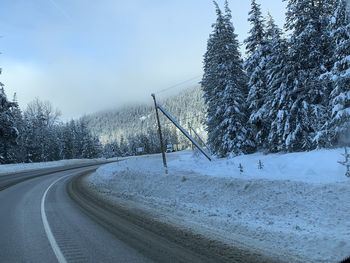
297	207
23	167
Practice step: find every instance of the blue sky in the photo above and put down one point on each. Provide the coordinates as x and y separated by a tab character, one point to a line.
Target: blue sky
88	55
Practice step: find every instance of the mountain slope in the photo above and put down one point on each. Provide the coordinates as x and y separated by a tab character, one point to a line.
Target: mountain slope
129	121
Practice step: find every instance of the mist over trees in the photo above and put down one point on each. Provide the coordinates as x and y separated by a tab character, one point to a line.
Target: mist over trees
290	93
37	134
298	87
124	129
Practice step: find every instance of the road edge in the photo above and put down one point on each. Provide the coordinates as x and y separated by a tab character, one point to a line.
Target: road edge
209	249
12	179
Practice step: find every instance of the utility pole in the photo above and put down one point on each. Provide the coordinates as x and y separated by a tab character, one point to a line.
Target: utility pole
160	135
189	128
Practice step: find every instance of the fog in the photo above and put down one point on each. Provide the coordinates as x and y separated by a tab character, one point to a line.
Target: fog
86	56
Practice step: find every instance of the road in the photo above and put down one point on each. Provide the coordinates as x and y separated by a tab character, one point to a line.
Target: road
47	216
39	222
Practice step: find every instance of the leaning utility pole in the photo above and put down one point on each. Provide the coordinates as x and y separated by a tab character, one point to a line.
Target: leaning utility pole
189	128
160	135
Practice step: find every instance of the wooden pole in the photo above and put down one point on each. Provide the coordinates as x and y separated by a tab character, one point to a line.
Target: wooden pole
160	135
347	162
189	128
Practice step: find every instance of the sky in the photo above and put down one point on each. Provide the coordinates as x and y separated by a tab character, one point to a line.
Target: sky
86	55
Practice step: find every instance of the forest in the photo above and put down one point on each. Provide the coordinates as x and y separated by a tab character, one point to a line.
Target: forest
124	129
290	92
38	135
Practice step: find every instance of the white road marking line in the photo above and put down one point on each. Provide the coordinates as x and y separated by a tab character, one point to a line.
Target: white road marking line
56	249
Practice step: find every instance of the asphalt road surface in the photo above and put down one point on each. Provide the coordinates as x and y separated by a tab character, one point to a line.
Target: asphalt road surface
40	223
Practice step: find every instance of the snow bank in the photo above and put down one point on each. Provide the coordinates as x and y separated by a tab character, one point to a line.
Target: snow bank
23	167
297	206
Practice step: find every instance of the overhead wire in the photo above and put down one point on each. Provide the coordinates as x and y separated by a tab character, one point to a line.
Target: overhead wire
178	84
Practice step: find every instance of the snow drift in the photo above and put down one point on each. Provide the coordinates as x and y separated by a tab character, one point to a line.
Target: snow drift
297	206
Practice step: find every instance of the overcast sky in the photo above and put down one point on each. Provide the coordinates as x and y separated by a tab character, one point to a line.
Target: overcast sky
88	55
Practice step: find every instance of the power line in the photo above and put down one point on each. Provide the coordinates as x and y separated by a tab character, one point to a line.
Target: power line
178	84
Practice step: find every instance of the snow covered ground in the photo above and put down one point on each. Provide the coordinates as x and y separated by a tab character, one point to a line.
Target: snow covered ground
14	168
296	207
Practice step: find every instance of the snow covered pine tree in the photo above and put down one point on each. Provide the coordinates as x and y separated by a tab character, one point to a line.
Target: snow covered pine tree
255	66
8	131
339	105
276	101
307	62
224	86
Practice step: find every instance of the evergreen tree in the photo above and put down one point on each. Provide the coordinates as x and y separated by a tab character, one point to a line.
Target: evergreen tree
277	98
17	151
339	124
255	66
328	9
210	86
256	33
307	60
111	150
8	130
224	86
89	146
68	150
123	146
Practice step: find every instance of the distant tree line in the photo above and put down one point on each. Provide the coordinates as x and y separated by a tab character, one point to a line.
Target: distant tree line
37	135
291	93
147	141
124	130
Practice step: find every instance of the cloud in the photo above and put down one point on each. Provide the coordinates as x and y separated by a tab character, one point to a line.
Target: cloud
109	53
25	79
77	87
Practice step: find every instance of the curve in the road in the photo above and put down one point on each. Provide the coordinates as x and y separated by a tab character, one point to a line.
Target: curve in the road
10	179
25	206
92	230
157	240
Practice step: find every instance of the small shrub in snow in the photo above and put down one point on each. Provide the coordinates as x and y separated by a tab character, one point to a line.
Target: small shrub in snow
240	168
346	162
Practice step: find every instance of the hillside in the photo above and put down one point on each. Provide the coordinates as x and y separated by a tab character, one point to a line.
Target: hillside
130	121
